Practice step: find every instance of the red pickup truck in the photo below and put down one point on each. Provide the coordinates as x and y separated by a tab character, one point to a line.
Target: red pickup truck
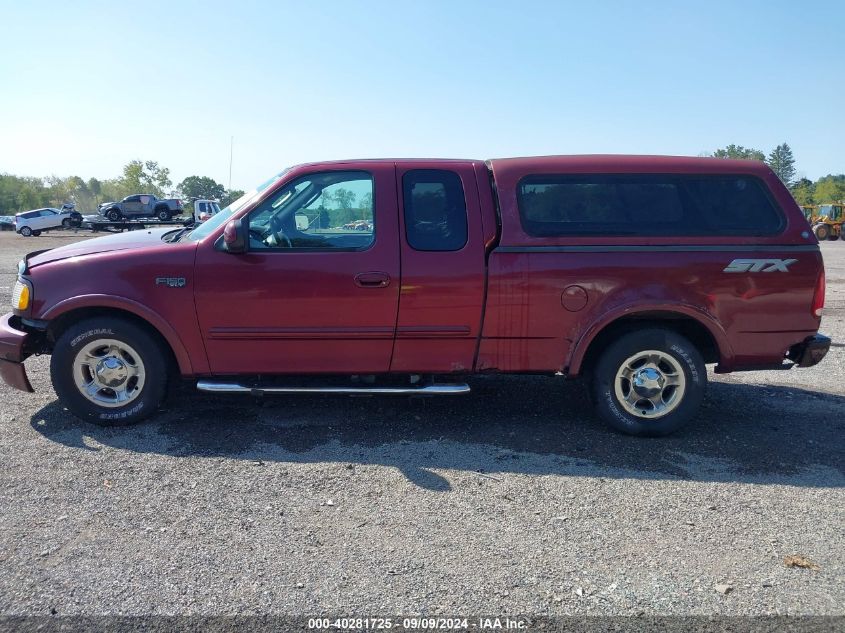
633	272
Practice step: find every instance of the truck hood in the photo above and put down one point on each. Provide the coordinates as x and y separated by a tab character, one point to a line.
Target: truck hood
117	242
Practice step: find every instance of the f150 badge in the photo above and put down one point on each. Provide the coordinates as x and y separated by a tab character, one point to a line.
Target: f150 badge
171	282
759	265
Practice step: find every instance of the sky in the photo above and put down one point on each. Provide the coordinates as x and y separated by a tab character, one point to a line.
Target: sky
87	86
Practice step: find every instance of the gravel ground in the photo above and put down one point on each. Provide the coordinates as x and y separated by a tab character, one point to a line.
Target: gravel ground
511	500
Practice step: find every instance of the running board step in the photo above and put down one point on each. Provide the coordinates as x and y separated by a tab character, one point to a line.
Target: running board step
449	389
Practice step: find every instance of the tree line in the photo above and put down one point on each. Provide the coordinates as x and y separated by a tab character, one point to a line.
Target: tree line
830	188
19	193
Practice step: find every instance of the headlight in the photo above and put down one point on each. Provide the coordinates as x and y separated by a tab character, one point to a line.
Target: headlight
21	296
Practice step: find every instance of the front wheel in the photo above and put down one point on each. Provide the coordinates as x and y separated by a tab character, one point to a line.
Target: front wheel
114	215
109	371
66	223
822	231
649	382
25	231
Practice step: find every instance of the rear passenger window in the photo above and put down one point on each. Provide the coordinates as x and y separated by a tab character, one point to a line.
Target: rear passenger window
435	210
646	205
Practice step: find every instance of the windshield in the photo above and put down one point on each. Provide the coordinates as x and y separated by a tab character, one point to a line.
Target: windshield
223	216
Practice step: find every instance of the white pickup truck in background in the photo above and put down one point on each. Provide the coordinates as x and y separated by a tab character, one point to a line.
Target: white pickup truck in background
204	209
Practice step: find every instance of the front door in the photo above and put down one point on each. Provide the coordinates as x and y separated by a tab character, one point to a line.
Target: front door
315	296
134	205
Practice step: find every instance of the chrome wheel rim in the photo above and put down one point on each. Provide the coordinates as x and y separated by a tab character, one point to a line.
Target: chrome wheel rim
108	373
650	384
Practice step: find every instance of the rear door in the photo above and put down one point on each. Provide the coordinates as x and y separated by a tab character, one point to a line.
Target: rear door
442	256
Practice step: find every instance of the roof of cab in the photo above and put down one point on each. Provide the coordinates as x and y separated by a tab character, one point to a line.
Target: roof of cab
587	163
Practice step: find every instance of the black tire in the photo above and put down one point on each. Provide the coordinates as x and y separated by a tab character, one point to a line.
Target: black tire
36	233
87	332
670	344
25	231
114	215
66	223
822	231
163	214
832	237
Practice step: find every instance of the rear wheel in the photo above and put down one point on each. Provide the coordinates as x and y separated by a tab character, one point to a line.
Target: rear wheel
163	215
822	231
25	231
649	382
36	233
109	371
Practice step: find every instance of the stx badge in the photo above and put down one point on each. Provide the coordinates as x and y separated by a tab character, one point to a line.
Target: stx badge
171	282
759	265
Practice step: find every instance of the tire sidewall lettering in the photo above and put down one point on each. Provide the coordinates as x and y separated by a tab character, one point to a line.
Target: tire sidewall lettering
679	351
122	415
90	334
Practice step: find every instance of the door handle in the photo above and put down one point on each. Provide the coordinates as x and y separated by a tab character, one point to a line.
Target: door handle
372	280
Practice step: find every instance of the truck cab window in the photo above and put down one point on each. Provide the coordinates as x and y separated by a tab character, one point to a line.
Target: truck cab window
324	211
435	210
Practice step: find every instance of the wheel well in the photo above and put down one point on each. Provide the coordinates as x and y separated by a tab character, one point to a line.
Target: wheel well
58	325
686	326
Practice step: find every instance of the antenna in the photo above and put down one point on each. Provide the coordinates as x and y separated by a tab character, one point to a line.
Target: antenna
231	150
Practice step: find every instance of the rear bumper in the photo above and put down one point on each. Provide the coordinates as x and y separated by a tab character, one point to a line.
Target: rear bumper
810	351
12	354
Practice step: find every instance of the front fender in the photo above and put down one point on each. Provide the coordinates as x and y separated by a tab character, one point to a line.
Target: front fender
579	350
128	305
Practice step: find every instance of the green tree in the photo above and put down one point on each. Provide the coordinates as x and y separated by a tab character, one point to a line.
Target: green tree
782	163
830	188
230	196
804	191
96	189
738	151
201	187
344	198
19	193
146	177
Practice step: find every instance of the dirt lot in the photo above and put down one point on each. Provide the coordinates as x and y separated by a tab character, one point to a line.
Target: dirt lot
510	500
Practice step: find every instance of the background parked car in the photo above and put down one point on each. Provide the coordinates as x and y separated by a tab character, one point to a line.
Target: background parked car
7	223
33	222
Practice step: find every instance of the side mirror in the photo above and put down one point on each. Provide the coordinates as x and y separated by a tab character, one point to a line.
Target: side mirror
235	236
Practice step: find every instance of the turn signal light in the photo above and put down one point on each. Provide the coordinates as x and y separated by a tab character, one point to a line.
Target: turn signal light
21	296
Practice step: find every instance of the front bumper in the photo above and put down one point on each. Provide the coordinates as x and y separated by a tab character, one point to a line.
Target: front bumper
12	354
810	351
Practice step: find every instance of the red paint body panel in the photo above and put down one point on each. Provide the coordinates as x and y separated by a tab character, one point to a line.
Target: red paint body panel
495	305
119	272
442	295
302	312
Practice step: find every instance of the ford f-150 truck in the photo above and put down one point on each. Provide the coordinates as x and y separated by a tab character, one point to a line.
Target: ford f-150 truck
632	272
141	205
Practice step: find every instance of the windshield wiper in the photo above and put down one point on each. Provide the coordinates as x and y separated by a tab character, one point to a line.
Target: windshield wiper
178	234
